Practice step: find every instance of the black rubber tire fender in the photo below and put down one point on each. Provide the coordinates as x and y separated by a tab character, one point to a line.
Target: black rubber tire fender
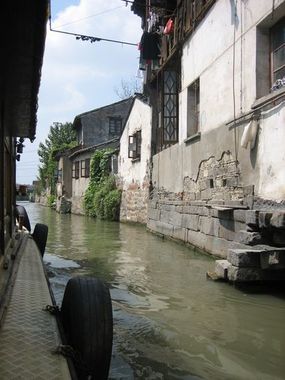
40	235
21	211
87	320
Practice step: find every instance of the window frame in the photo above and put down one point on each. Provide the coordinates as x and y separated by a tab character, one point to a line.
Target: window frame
273	50
116	127
82	168
75	169
134	146
193	108
87	167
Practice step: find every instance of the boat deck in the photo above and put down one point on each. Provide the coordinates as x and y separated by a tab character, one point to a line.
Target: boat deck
30	335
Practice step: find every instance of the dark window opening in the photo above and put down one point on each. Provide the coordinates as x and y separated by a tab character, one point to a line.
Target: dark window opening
211	183
87	167
75	170
278	51
193	108
135	146
115	126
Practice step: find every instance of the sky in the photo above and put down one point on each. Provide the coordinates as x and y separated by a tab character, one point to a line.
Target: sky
78	76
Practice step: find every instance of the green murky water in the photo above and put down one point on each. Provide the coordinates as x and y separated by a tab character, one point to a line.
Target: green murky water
169	321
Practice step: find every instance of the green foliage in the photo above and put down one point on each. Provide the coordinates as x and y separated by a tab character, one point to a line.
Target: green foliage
60	137
102	198
51	200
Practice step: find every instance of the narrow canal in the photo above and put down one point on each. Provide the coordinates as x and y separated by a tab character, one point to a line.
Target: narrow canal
169	321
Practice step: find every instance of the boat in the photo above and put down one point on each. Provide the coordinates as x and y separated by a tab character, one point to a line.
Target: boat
37	338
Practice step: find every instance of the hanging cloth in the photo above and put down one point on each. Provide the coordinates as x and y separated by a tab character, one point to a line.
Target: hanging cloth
150	46
169	27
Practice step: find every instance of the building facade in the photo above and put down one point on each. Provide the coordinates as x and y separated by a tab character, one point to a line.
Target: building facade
97	129
217	97
134	163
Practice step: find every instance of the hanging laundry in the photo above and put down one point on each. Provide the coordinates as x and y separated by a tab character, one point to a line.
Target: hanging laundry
150	46
169	27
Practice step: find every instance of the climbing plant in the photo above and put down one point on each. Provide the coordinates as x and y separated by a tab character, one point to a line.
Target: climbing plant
102	198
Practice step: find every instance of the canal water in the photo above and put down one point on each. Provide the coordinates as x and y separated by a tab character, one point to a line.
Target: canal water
170	322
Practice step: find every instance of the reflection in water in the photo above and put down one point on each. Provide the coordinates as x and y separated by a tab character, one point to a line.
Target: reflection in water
169	321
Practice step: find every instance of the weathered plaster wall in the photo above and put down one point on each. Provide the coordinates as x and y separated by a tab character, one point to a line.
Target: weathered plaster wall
195	176
208	54
79	186
134	174
271	154
65	186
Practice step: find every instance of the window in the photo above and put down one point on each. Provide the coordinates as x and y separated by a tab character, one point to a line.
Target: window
115	126
278	51
85	168
170	108
135	145
75	170
193	108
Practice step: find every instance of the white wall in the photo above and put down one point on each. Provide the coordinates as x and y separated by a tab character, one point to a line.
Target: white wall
209	54
135	171
80	184
271	154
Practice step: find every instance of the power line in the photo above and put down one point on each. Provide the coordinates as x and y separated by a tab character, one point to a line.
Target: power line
96	14
84	37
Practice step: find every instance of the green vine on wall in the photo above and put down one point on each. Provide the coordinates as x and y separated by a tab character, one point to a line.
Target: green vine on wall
102	199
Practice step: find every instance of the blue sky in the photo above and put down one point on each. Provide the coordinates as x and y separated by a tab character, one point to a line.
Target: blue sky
79	76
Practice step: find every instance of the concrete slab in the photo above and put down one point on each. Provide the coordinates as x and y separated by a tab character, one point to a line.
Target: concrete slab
29	335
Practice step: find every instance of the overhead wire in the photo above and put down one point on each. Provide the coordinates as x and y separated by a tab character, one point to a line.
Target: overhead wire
85	37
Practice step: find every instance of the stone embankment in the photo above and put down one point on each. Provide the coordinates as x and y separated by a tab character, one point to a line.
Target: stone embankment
251	243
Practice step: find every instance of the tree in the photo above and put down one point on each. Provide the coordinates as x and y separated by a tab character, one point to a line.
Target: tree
127	88
61	136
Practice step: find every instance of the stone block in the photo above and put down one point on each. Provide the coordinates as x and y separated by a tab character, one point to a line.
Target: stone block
190	221
191	209
248	190
175	218
272	259
239	215
164	216
221	269
179	233
160	227
278	220
206	194
249	238
209	226
252	218
236	274
153	213
167	207
221	214
227	229
212	244
153	203
232	181
278	238
249	201
198	203
216	202
264	219
244	257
